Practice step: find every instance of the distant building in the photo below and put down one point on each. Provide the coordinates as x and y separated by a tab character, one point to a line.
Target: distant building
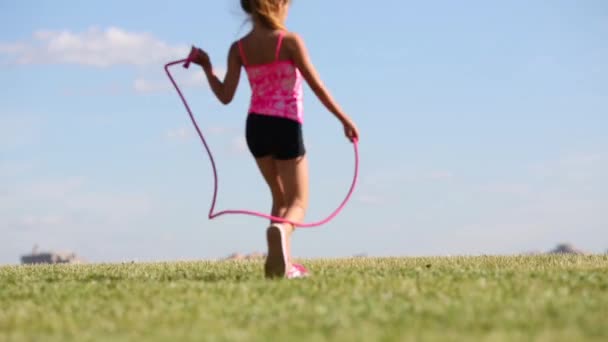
240	256
50	258
565	248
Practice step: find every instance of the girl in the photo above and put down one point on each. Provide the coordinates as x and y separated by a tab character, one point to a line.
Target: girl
276	62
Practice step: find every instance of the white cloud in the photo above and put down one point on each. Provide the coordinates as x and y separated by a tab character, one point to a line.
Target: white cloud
179	134
441	175
185	133
516	189
144	86
67	205
96	90
12	168
238	145
107	47
218	130
94	47
72	214
51	191
44	220
369	199
12	48
580	167
387	177
18	130
156	85
193	77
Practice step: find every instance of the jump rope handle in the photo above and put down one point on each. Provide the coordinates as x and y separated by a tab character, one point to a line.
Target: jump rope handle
189	59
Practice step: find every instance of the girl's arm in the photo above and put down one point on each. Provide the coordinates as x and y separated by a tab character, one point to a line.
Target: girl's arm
301	58
302	61
224	91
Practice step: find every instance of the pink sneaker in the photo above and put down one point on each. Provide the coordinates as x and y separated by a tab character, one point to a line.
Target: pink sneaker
297	271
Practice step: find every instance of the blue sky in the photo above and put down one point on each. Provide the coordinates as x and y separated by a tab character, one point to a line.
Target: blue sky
483	129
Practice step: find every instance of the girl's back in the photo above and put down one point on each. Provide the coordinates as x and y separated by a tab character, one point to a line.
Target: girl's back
260	47
276	82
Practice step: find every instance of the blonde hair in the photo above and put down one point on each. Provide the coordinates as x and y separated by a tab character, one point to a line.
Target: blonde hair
268	12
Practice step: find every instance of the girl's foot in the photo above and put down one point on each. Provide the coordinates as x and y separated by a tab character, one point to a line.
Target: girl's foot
277	261
297	271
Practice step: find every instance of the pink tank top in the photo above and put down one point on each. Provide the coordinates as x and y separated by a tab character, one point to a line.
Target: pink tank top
276	87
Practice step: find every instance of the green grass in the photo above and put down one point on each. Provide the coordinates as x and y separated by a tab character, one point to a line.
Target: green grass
540	298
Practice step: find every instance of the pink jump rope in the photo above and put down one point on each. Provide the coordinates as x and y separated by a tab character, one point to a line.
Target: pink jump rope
186	63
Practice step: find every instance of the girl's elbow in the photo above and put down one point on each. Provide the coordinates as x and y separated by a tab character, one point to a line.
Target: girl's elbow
226	98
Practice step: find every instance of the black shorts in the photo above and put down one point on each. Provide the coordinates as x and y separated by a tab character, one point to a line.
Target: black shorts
280	138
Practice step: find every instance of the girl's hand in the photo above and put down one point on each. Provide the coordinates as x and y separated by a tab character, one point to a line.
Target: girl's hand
350	130
200	57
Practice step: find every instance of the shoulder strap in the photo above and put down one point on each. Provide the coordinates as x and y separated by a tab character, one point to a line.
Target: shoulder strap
242	52
276	57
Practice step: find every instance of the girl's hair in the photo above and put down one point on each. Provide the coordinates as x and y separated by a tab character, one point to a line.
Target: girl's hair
267	11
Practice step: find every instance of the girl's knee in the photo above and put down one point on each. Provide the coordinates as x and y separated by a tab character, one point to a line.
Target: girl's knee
279	202
282	208
278	196
298	203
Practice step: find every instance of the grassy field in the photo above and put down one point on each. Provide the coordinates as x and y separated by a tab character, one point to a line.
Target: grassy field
540	298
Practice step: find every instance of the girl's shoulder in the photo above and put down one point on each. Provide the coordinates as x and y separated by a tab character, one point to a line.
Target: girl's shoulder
291	35
287	35
292	39
241	38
